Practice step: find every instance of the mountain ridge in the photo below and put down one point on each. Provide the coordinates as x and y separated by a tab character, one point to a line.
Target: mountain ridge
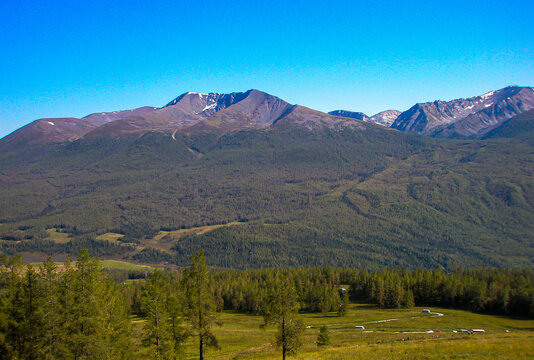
193	112
466	117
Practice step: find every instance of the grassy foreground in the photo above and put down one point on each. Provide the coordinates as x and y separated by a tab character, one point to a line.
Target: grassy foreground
241	338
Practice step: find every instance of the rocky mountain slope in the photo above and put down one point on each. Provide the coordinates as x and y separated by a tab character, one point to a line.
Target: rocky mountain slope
190	112
58	130
350	114
471	117
194	112
384	118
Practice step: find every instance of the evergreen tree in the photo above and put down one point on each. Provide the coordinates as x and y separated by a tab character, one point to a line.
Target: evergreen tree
177	331
342	310
31	326
51	313
10	312
157	328
96	319
162	305
409	300
14	312
281	306
200	302
323	339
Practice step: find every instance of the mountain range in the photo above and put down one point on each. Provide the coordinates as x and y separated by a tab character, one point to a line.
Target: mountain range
468	118
189	112
258	182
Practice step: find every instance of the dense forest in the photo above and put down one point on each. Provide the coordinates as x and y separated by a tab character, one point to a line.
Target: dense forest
362	198
77	310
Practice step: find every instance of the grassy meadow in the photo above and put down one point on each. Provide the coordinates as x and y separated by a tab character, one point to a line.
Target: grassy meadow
108	264
240	336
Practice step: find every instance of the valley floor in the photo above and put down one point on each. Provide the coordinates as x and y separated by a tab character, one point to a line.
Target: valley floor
240	336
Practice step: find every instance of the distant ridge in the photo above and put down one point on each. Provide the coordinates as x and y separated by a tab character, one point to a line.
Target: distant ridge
471	117
384	118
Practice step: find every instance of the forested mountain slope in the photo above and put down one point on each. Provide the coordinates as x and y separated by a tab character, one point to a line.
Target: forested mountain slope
311	189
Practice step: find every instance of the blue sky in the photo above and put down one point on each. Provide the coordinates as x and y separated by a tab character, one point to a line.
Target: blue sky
72	58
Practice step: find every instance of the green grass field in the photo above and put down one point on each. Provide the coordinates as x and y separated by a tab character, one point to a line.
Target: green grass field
108	264
111	237
165	240
240	336
57	236
122	265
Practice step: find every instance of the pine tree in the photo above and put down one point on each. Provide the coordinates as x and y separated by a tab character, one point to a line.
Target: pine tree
52	323
31	327
96	323
342	310
14	312
157	329
323	339
409	300
281	306
10	312
178	333
200	300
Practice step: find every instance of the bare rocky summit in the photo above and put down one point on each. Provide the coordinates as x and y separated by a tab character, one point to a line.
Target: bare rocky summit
385	118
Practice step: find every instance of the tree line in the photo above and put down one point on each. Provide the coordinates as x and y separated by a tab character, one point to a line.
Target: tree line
489	290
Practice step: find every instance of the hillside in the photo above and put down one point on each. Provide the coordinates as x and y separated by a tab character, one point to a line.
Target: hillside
352	194
302	187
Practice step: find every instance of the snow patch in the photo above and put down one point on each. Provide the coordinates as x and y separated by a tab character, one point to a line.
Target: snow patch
51	123
212	106
200	95
487	95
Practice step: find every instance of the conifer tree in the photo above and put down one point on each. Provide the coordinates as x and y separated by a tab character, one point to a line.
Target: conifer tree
323	339
13	269
51	313
280	307
10	312
409	300
31	326
342	311
158	334
200	302
97	325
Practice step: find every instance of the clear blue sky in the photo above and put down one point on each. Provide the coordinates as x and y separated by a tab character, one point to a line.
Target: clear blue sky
72	58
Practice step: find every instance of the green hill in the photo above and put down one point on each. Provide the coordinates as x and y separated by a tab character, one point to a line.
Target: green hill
368	197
